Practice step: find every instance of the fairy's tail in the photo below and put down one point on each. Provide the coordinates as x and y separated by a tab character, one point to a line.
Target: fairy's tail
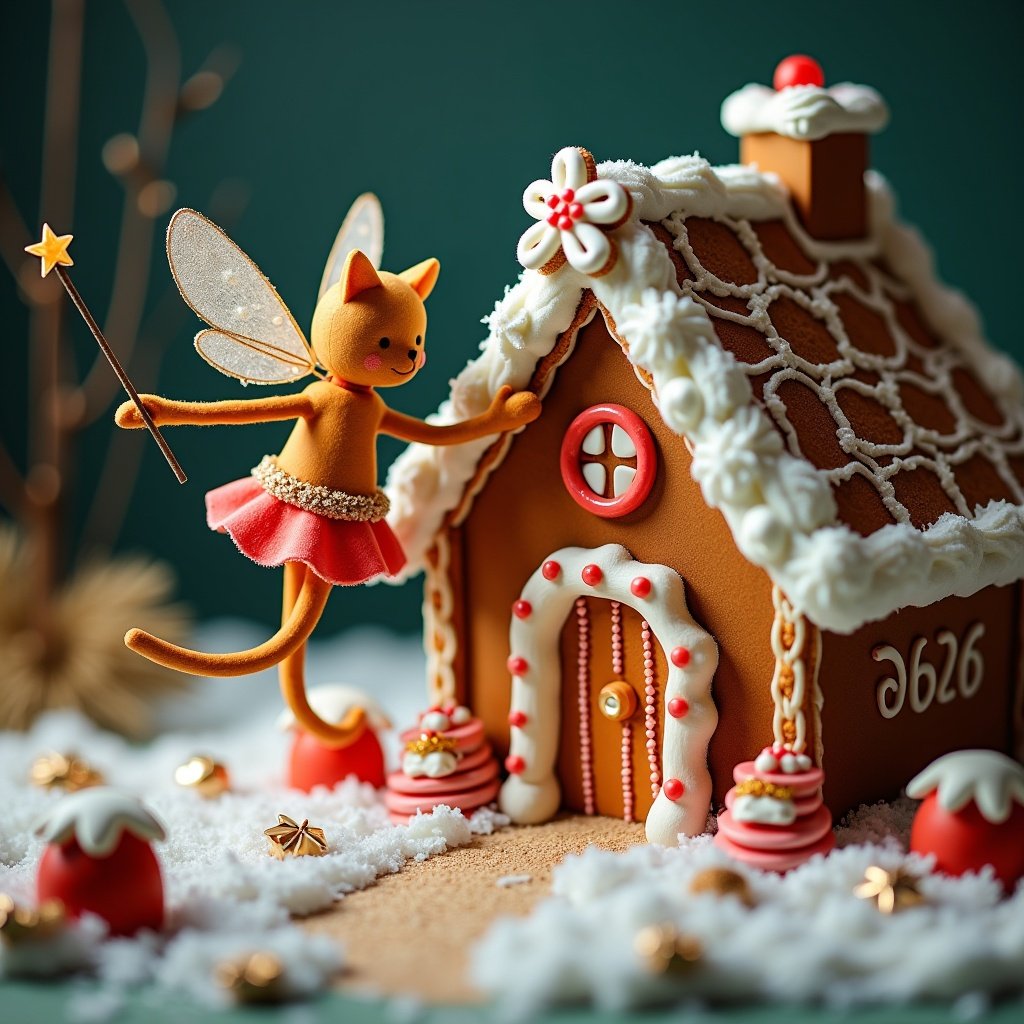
301	621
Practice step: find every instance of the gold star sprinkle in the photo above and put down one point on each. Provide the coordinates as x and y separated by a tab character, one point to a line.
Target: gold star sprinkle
64	771
663	949
20	924
892	891
207	777
52	250
723	882
289	839
257	978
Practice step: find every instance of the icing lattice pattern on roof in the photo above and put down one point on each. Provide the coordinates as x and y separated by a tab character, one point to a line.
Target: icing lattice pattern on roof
856	383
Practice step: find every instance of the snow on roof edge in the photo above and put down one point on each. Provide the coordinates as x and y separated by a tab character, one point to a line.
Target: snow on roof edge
780	510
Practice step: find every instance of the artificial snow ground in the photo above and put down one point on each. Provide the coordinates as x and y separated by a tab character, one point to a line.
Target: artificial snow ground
807	940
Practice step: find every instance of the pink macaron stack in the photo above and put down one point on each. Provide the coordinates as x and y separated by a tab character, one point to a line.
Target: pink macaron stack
775	818
447	761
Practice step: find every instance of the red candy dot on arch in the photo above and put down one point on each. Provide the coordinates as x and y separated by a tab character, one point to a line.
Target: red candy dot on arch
799	69
550	570
680	656
641	586
517	719
592	575
677	707
522	609
518	665
514	764
673	788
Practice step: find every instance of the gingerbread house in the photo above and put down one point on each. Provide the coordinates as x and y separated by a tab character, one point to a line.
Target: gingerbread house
774	496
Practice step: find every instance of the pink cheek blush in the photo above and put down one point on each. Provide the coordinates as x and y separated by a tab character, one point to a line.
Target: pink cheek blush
373	362
423	359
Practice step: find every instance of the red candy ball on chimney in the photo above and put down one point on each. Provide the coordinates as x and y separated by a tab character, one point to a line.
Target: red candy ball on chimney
798	69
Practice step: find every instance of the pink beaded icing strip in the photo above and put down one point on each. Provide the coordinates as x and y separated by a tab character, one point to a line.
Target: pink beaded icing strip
619	670
650	709
583	696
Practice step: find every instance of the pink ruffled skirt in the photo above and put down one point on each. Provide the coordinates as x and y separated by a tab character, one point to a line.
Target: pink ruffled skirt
272	532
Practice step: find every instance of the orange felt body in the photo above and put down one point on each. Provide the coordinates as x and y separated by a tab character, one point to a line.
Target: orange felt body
369	332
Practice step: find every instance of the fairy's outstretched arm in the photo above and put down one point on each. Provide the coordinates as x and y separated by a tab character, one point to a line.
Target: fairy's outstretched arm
168	412
507	411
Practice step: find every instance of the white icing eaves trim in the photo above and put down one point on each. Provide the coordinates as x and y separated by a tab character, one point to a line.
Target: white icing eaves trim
779	508
804	111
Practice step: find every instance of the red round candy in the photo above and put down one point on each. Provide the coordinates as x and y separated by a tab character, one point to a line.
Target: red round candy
522	609
673	788
550	570
311	763
517	719
680	656
641	586
517	666
124	888
514	764
677	707
592	575
798	70
966	841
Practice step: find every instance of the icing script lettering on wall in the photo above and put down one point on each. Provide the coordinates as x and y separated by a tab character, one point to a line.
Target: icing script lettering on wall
920	684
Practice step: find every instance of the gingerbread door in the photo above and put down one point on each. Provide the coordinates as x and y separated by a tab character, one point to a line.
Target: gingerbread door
611	695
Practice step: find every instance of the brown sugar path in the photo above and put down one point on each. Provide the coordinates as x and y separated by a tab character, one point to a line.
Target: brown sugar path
411	933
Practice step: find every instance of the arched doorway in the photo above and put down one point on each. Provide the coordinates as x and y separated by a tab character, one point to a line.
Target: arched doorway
682	720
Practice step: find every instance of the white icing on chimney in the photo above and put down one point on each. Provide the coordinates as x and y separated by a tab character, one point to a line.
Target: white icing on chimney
804	111
992	780
97	817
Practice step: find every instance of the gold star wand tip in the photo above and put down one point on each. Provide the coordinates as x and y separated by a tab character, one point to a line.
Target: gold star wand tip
52	250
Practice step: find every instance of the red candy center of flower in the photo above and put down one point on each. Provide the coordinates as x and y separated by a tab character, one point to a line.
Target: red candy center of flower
564	210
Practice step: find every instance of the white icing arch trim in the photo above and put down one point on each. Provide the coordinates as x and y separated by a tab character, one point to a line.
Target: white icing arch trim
779	508
992	780
96	818
533	794
804	111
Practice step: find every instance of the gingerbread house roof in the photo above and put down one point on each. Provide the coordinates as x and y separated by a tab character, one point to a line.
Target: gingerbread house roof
863	441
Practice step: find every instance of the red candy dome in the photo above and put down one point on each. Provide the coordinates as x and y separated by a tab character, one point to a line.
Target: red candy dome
798	69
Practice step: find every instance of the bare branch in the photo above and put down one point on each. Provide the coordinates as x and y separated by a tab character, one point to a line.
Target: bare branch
14	232
12	484
135	243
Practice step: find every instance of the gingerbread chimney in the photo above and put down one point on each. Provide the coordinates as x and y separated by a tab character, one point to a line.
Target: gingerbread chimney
815	139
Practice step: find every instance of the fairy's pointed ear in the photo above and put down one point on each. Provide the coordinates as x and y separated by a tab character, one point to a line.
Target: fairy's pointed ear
422	277
357	276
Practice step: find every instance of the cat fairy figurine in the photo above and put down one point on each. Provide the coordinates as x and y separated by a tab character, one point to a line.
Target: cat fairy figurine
315	508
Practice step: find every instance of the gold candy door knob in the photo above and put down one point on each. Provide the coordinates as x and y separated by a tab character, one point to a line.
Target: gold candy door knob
617	701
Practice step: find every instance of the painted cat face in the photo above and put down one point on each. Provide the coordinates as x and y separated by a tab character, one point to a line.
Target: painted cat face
370	328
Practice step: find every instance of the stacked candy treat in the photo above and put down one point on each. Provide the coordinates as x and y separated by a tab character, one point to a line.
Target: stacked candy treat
775	818
447	760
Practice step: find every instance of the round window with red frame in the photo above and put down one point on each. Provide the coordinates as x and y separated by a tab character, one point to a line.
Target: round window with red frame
608	460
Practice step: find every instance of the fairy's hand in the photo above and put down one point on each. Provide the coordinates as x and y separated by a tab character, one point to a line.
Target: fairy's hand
127	415
509	409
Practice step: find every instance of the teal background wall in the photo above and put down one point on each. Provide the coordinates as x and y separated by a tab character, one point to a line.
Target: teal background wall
446	110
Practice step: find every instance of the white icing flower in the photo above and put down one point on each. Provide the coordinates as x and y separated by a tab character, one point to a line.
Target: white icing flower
992	780
96	818
435	765
574	212
764	810
663	328
728	463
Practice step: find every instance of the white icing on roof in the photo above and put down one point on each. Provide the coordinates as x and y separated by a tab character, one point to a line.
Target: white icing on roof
96	818
779	507
992	780
804	111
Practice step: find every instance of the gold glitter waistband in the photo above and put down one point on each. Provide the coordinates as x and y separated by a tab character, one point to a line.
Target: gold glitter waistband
323	501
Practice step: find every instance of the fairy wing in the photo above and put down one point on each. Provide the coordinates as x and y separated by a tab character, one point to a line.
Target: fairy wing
254	337
363	229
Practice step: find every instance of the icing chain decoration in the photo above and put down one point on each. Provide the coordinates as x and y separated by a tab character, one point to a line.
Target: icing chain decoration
583	702
574	211
619	670
650	698
789	688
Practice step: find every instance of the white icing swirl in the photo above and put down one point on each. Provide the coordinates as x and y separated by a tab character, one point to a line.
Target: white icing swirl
804	111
